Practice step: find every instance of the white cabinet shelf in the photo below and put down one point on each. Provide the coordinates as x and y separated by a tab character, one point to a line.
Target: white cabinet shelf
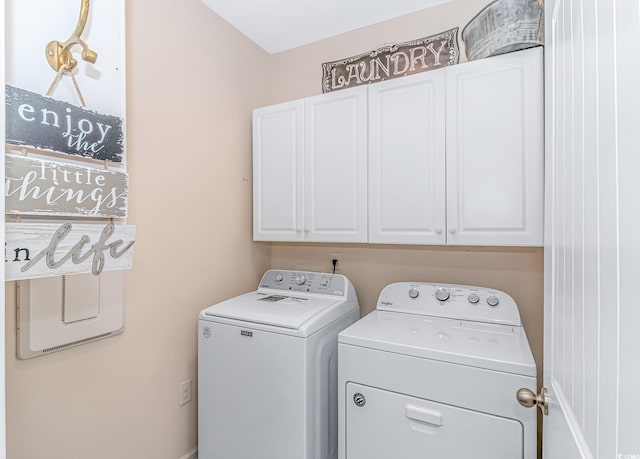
451	156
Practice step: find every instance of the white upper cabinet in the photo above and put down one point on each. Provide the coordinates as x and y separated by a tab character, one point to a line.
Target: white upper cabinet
476	181
450	156
310	169
407	160
335	178
277	172
495	151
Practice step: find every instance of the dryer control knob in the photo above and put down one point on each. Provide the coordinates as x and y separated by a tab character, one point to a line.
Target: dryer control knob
279	277
492	300
301	279
324	281
473	298
413	293
442	294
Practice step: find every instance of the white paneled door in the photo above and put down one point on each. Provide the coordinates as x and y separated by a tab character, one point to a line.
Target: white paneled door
592	240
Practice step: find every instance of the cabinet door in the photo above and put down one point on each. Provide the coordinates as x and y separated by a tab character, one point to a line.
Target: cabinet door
277	172
336	166
495	151
407	160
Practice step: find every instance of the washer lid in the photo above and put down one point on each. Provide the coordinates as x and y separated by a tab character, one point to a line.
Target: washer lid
492	346
278	309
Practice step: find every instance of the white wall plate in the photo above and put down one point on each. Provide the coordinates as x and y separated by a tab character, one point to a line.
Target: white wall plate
56	313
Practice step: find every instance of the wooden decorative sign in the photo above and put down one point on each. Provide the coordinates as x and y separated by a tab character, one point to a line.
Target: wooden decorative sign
38	187
392	61
37	121
45	249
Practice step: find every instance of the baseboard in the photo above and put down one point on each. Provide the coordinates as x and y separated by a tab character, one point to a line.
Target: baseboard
193	454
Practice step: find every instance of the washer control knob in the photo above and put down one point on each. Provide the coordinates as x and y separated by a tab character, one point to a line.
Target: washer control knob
301	279
324	281
442	294
279	277
473	298
492	300
413	292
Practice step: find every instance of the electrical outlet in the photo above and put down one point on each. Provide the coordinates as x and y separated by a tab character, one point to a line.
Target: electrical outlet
335	256
186	392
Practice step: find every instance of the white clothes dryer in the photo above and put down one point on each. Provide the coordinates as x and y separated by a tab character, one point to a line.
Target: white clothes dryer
267	368
433	372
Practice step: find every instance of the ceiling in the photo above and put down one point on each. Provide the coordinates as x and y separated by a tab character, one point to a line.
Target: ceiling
278	25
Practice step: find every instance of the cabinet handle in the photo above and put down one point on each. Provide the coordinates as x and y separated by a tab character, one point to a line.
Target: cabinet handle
438	230
307	230
452	230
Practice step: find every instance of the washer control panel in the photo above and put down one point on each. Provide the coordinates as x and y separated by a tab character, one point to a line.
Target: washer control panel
450	301
305	281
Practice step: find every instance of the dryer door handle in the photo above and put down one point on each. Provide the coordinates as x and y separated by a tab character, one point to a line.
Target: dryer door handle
427	416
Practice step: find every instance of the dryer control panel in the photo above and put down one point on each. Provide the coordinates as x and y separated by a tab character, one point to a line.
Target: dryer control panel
450	301
305	281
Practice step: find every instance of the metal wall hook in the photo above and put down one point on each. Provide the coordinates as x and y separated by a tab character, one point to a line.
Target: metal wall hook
59	54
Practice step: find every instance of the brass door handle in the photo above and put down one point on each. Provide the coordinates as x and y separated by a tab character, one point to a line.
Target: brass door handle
59	54
528	399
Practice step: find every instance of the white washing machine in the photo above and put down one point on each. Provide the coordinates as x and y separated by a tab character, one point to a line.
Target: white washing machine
267	368
433	373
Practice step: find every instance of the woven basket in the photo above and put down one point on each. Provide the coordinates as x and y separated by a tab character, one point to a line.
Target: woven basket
504	26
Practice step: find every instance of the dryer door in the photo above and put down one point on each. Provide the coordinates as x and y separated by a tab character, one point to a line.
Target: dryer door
382	425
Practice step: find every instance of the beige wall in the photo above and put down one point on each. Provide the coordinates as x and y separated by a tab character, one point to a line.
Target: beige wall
192	81
298	72
191	84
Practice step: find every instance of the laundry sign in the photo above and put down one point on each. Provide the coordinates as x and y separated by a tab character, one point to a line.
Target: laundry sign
44	123
38	187
392	61
35	250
